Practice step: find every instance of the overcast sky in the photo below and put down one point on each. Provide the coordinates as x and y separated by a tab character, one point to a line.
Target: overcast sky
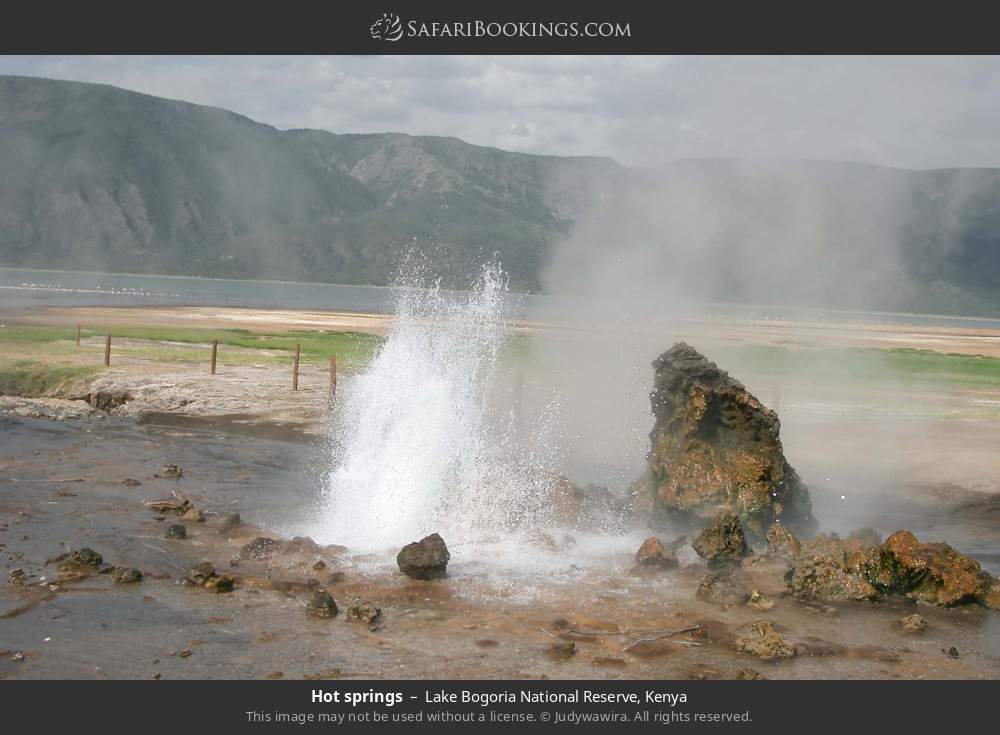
923	112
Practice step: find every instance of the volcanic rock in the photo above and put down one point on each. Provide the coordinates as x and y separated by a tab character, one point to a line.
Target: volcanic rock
722	588
913	623
653	553
715	446
781	542
261	548
366	612
721	543
176	531
201	573
17	576
991	596
84	557
322	605
931	572
827	569
424	559
126	575
764	641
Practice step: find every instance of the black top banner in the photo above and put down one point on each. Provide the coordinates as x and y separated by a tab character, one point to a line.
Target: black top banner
393	27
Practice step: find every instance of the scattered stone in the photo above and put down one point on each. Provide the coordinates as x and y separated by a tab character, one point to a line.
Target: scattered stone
932	572
715	446
319	565
765	642
722	543
185	653
66	493
562	650
781	542
18	656
193	515
366	612
722	588
126	575
952	652
131	482
108	400
760	602
261	549
84	557
176	531
913	623
204	575
177	506
653	553
17	576
424	559
749	675
170	472
322	605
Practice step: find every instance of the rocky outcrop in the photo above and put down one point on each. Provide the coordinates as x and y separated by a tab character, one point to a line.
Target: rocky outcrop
424	559
716	447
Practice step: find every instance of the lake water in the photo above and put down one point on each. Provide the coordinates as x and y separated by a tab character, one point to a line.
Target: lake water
20	288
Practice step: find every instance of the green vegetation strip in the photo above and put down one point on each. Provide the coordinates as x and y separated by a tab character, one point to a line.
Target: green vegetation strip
33	379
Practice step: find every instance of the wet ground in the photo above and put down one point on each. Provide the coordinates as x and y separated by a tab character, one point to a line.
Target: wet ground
61	488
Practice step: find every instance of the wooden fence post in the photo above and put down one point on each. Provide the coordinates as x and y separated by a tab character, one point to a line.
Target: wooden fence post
107	351
215	351
295	368
333	377
78	335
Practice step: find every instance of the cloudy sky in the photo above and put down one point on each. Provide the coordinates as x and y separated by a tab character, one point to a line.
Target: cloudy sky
921	112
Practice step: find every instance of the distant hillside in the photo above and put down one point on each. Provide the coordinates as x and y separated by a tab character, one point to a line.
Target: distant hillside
99	178
96	177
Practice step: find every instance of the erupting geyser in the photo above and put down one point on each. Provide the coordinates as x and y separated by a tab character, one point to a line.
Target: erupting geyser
421	444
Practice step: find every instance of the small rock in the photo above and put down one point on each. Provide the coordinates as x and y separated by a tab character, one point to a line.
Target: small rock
220	583
261	548
85	557
184	654
176	531
322	605
131	482
760	602
991	595
562	650
18	656
193	515
952	652
722	542
170	472
653	553
126	575
765	642
721	588
424	559
66	493
200	573
366	612
913	623
17	576
319	565
749	675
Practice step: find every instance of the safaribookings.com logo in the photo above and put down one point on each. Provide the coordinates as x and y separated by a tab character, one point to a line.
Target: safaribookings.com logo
390	28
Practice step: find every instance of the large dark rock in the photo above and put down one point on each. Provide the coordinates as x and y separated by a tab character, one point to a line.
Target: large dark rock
424	559
653	553
716	447
722	588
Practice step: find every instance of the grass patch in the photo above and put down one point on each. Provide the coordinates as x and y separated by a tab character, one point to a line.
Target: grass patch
33	379
354	350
